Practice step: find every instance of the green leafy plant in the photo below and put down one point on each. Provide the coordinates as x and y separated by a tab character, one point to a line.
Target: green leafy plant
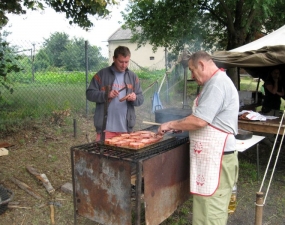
8	64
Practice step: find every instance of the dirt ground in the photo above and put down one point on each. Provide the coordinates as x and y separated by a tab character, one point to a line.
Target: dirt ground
46	147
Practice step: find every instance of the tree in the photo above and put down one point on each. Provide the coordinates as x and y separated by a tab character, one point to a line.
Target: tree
8	58
42	61
73	57
59	51
202	24
54	46
78	12
8	64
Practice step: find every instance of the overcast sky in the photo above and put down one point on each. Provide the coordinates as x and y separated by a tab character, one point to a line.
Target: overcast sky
36	26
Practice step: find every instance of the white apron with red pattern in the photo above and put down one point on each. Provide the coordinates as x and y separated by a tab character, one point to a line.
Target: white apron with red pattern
206	152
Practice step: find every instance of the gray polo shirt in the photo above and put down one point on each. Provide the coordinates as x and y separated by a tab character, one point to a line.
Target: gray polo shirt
218	104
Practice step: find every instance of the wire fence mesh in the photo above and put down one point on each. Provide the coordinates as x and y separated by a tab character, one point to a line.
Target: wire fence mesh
51	84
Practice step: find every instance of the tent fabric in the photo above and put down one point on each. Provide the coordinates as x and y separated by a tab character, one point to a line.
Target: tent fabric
266	56
257	57
272	39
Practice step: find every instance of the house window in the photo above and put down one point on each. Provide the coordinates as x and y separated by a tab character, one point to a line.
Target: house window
151	58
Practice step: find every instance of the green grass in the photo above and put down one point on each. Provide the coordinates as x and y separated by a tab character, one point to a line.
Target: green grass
30	102
248	83
52	93
249	173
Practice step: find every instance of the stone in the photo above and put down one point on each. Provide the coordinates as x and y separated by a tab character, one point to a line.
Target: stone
67	188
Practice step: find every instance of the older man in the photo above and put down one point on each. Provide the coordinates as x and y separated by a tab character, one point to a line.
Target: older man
211	126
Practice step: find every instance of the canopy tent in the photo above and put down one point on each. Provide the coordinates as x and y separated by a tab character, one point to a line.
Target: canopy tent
257	57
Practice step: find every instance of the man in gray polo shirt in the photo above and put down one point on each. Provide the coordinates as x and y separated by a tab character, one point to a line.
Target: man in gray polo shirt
212	128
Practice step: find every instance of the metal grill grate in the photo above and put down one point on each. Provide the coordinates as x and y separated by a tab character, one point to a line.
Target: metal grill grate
129	154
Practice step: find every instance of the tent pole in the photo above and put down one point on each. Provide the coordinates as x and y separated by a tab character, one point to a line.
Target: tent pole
258	208
238	73
185	87
256	92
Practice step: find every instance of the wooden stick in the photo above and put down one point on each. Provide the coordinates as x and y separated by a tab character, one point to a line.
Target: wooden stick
23	219
18	207
5	145
152	123
43	178
51	213
259	208
26	188
46	183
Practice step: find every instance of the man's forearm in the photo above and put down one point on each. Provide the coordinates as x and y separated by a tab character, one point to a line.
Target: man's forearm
186	124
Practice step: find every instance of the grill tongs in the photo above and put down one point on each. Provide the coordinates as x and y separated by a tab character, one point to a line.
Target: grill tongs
158	124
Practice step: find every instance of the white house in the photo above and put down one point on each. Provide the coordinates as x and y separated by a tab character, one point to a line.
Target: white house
143	57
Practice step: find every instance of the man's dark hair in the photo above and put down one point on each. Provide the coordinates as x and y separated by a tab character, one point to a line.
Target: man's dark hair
195	57
122	50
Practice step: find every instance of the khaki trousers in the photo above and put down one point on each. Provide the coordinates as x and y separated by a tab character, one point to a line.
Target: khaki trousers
213	210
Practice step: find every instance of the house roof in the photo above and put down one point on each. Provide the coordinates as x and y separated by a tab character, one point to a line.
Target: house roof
121	34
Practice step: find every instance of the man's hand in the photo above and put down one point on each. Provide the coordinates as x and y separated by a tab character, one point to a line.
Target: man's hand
113	94
132	97
163	128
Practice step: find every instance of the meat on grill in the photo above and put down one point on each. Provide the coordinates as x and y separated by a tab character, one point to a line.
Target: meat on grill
134	140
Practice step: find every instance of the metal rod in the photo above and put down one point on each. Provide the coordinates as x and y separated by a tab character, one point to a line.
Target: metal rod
238	77
256	92
151	123
74	128
33	60
257	160
73	187
161	83
138	192
185	87
86	75
122	89
106	104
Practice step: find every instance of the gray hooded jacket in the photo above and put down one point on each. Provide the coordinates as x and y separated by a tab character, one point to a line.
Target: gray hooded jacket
96	93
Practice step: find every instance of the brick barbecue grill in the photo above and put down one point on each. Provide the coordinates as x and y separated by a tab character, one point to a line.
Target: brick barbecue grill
102	175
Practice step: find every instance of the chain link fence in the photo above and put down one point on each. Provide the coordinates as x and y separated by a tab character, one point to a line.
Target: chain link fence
52	80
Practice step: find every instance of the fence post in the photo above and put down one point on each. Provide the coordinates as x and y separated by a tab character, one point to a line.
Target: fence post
167	77
86	73
185	87
33	60
74	128
167	88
